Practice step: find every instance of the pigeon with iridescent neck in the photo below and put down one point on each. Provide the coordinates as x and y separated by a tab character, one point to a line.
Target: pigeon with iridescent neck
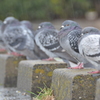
68	23
89	46
47	41
40	36
68	39
2	45
29	26
9	20
19	41
44	25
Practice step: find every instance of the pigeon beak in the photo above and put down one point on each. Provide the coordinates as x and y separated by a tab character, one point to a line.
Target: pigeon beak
61	27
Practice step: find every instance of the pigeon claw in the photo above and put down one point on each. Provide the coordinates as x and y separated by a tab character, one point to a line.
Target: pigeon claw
15	54
49	59
2	50
95	72
80	66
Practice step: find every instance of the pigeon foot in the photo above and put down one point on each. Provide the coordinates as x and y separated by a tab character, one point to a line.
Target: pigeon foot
95	72
80	66
2	50
49	59
15	54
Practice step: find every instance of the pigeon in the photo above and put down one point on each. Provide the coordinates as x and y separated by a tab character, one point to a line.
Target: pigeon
39	48
68	23
27	24
47	25
48	42
68	39
18	40
29	27
43	26
9	20
2	45
89	46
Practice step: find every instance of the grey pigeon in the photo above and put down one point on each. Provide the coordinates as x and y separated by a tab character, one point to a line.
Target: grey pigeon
48	42
9	20
29	27
19	40
43	26
2	45
39	48
68	23
47	25
89	46
68	39
27	24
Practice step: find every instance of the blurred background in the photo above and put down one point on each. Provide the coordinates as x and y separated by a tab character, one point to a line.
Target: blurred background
86	12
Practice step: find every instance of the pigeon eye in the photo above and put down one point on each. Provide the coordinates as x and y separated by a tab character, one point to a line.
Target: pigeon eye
86	32
67	25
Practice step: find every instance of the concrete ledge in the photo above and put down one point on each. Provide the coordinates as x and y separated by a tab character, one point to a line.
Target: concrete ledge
97	90
71	84
9	70
32	75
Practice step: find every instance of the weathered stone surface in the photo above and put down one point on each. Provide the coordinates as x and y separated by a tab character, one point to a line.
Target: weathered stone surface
97	90
9	70
35	74
74	84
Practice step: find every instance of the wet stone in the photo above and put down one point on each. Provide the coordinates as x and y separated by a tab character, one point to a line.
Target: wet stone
33	75
9	70
74	84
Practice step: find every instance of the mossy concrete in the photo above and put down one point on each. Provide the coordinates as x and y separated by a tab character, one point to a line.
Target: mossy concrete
33	75
9	70
74	84
97	97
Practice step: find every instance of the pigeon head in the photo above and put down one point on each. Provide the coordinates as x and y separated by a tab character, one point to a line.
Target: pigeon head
89	30
27	24
47	25
69	23
15	37
71	26
10	20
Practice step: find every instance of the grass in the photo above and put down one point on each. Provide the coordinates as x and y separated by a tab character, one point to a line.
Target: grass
44	94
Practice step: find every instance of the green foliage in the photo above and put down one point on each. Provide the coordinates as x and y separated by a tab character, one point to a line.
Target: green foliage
43	9
70	8
24	9
43	94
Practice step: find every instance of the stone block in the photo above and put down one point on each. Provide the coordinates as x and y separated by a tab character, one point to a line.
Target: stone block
74	84
97	97
35	74
9	70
